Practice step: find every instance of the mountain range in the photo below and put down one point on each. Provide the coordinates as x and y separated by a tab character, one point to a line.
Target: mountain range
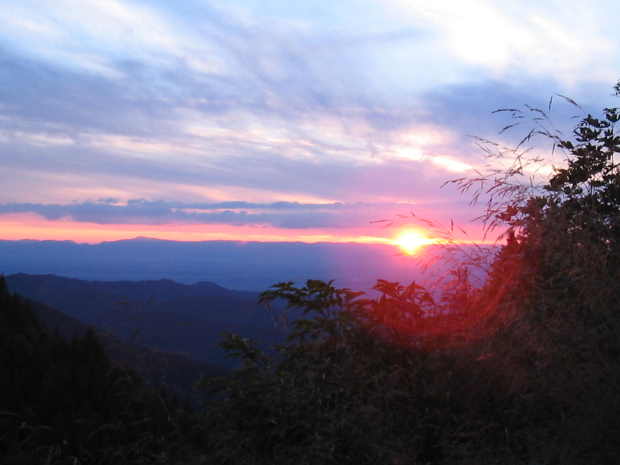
237	265
163	315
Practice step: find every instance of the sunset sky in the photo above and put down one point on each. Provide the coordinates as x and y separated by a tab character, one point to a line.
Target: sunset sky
273	120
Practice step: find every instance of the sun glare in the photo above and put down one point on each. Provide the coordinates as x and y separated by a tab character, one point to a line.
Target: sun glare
411	241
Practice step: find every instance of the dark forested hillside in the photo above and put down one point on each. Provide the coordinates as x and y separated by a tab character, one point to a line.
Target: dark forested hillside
164	315
62	400
175	371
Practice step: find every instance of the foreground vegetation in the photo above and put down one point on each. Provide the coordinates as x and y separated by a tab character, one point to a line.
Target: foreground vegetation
524	370
63	402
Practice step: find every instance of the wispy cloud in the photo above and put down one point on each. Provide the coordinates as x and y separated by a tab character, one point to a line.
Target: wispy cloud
569	42
259	102
287	215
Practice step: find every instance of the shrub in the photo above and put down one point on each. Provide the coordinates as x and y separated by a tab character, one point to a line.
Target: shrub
523	370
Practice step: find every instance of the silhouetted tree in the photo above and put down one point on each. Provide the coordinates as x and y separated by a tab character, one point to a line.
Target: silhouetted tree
523	370
63	402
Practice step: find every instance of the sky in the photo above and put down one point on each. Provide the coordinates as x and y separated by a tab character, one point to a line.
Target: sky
275	120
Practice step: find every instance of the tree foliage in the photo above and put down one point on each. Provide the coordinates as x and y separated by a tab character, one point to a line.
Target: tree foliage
63	402
525	369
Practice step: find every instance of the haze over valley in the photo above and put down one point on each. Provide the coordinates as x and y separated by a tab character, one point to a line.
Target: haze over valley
251	266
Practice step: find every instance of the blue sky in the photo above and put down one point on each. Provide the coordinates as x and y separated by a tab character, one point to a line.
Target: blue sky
272	119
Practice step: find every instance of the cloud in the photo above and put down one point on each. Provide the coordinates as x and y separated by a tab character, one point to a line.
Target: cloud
90	35
568	42
287	215
198	102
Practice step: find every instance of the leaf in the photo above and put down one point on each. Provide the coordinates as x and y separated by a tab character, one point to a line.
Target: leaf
505	128
500	110
526	138
570	100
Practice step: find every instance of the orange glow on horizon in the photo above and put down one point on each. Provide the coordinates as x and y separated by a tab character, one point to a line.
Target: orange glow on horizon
18	226
31	226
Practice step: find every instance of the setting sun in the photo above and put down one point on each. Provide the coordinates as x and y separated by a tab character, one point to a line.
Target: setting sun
411	241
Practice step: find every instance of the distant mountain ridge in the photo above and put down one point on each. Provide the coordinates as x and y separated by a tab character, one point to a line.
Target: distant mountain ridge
231	264
161	288
163	315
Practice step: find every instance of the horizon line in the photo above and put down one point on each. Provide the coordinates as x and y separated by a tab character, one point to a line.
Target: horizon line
364	240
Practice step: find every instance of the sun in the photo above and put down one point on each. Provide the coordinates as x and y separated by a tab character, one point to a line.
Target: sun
411	241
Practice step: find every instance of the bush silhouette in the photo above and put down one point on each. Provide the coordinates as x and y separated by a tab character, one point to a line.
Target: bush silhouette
524	369
63	402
